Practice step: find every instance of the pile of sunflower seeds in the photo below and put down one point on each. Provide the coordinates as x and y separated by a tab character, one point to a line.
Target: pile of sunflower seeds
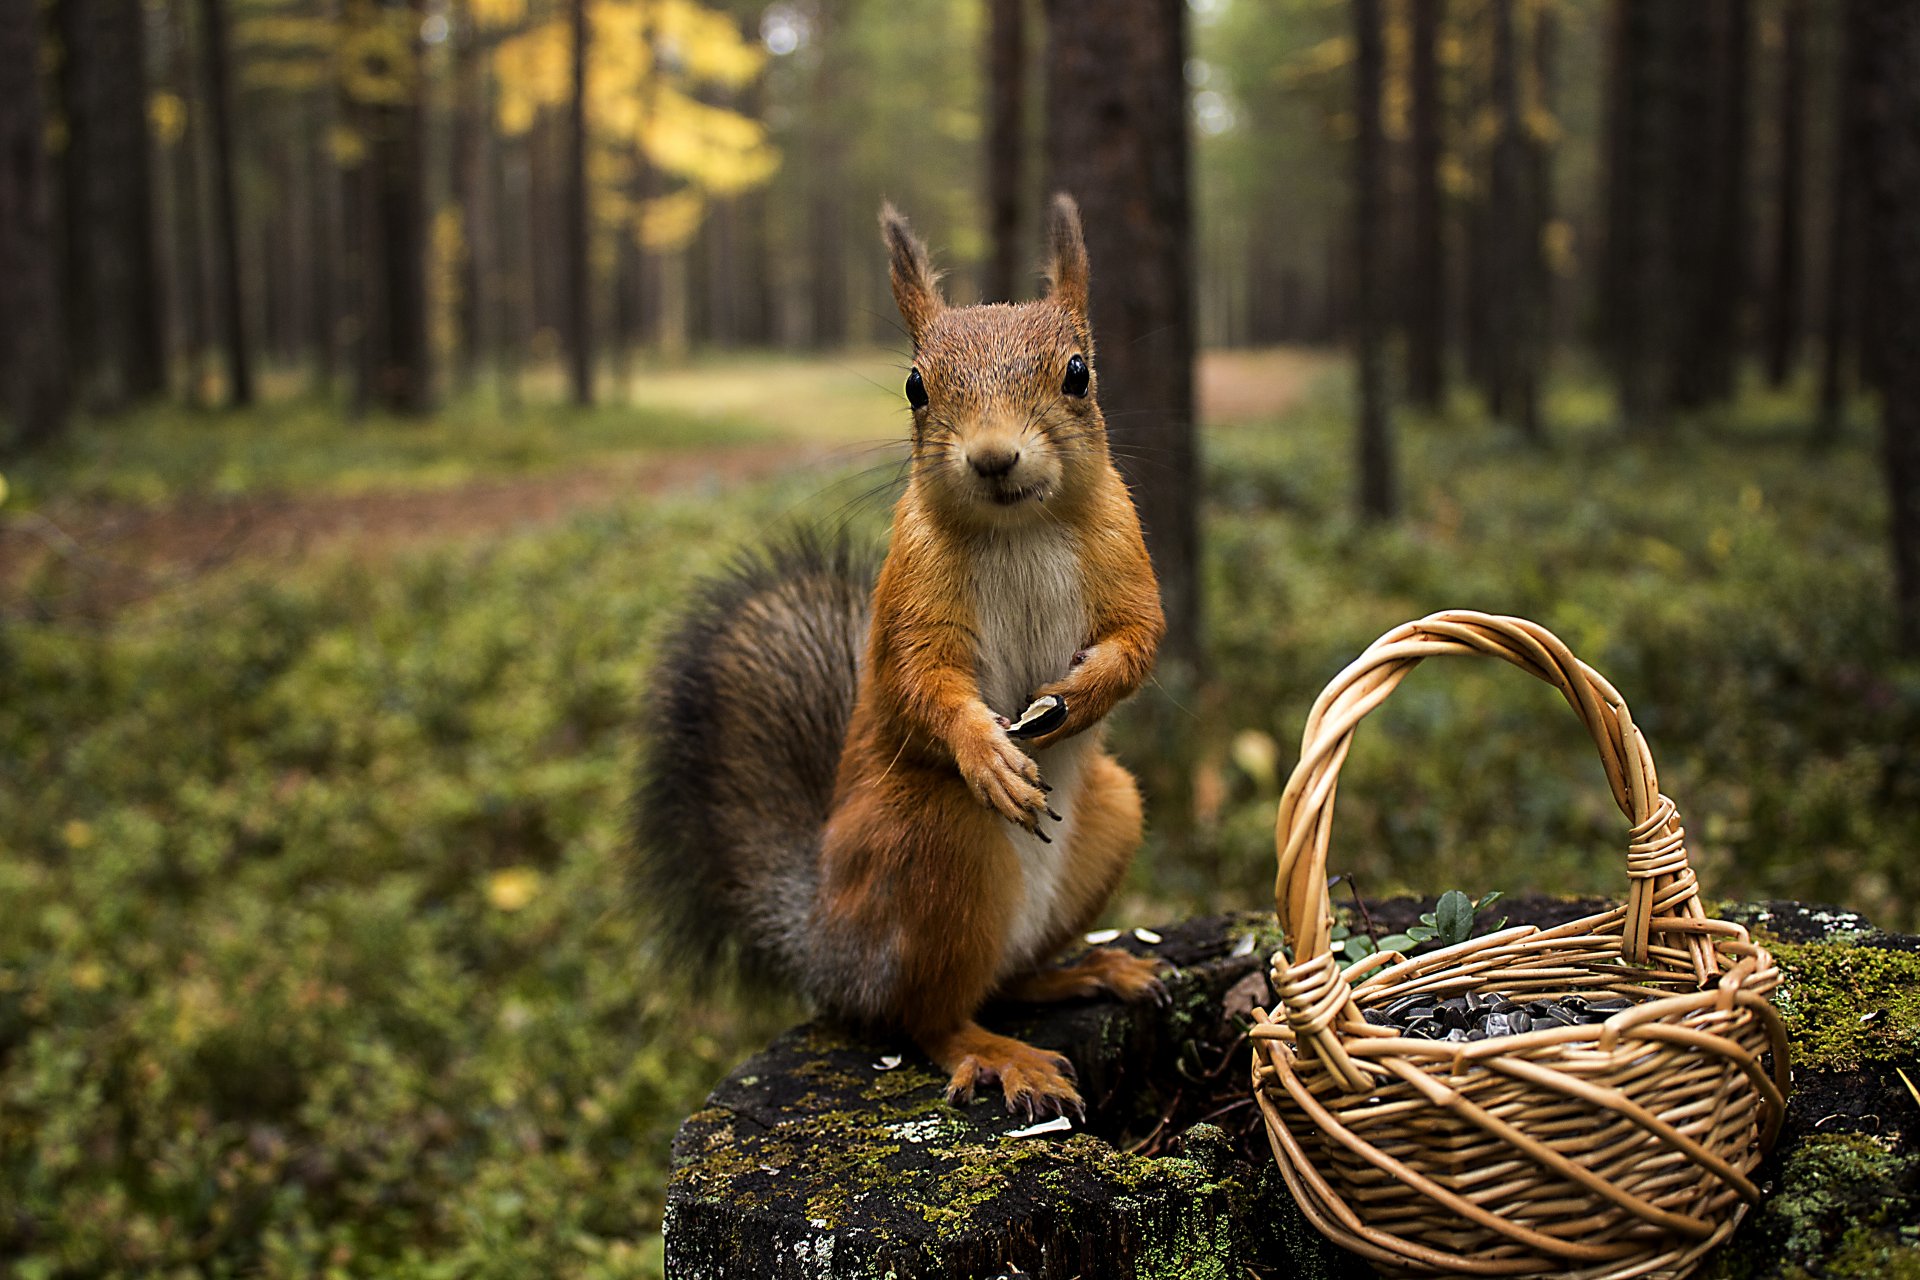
1485	1015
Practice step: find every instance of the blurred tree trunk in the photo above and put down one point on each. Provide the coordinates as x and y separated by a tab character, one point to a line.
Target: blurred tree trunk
1006	145
1117	142
1890	40
1784	291
1541	145
1722	314
579	233
226	218
1427	312
117	321
825	199
394	366
1844	285
1638	322
1514	238
471	132
1378	499
33	363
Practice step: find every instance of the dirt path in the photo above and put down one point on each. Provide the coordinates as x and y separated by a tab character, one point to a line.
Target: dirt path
109	555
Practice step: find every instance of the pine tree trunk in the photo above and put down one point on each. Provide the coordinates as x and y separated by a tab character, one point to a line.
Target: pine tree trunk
1784	293
33	362
1841	314
1639	321
1117	141
1514	240
1891	31
394	367
471	131
118	320
1378	499
579	233
1427	312
226	219
1006	145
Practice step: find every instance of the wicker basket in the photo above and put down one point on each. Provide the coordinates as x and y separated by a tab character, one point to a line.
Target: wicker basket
1618	1149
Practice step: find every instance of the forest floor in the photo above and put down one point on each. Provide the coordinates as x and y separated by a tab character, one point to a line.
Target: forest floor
125	540
320	952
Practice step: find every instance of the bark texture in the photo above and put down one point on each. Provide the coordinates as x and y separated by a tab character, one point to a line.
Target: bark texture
1117	141
33	363
1379	498
1890	32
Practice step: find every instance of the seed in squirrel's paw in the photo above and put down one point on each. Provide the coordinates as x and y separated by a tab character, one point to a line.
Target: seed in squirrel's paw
1042	717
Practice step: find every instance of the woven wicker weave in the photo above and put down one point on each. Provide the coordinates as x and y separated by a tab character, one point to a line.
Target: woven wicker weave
1622	1149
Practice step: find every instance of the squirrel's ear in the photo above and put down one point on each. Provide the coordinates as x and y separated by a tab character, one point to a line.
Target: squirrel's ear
916	286
1067	257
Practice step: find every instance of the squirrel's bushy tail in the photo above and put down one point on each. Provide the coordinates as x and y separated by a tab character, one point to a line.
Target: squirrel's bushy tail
744	723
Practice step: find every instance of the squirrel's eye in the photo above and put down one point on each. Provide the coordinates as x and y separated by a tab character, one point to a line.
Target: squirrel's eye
1077	376
916	390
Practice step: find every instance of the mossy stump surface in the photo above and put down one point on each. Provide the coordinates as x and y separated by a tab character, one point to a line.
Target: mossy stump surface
819	1159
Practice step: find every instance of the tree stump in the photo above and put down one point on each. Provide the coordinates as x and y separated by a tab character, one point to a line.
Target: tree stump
833	1154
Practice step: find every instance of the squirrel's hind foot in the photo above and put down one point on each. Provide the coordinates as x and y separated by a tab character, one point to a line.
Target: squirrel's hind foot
1102	971
1036	1083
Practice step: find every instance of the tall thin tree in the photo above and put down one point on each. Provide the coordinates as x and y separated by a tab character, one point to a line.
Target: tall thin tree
1006	149
578	233
1840	318
1427	286
33	363
1117	140
215	54
390	221
1378	494
1889	32
1783	326
117	322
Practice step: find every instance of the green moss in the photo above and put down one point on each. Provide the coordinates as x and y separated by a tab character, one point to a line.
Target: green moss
1826	991
1835	1211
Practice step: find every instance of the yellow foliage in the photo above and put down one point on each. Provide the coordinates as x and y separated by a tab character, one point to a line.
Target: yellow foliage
377	62
284	32
167	117
669	222
497	13
346	146
534	70
708	44
719	150
513	888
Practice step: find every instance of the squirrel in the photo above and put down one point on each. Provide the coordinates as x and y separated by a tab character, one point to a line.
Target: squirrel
830	786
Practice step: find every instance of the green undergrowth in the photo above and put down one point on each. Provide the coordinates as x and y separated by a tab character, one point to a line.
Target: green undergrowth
1732	586
317	958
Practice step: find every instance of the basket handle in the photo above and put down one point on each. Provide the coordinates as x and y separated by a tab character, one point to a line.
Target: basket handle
1311	987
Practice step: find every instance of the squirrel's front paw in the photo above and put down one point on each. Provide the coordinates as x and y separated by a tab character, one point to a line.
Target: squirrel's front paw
1004	778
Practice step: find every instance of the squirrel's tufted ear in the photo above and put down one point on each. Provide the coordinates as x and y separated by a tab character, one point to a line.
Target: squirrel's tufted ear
916	286
1067	257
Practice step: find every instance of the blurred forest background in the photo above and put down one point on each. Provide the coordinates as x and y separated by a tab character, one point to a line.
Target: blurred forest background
377	375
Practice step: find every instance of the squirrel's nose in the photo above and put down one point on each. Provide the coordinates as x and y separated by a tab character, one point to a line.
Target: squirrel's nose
993	461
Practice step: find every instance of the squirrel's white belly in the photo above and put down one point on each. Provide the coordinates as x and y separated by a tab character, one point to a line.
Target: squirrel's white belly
1030	615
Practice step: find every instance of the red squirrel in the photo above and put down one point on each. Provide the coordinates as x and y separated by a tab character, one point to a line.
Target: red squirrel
830	786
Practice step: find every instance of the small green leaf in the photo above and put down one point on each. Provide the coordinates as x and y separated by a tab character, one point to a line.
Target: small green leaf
1359	948
1429	921
1423	933
1398	942
1454	917
1487	900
